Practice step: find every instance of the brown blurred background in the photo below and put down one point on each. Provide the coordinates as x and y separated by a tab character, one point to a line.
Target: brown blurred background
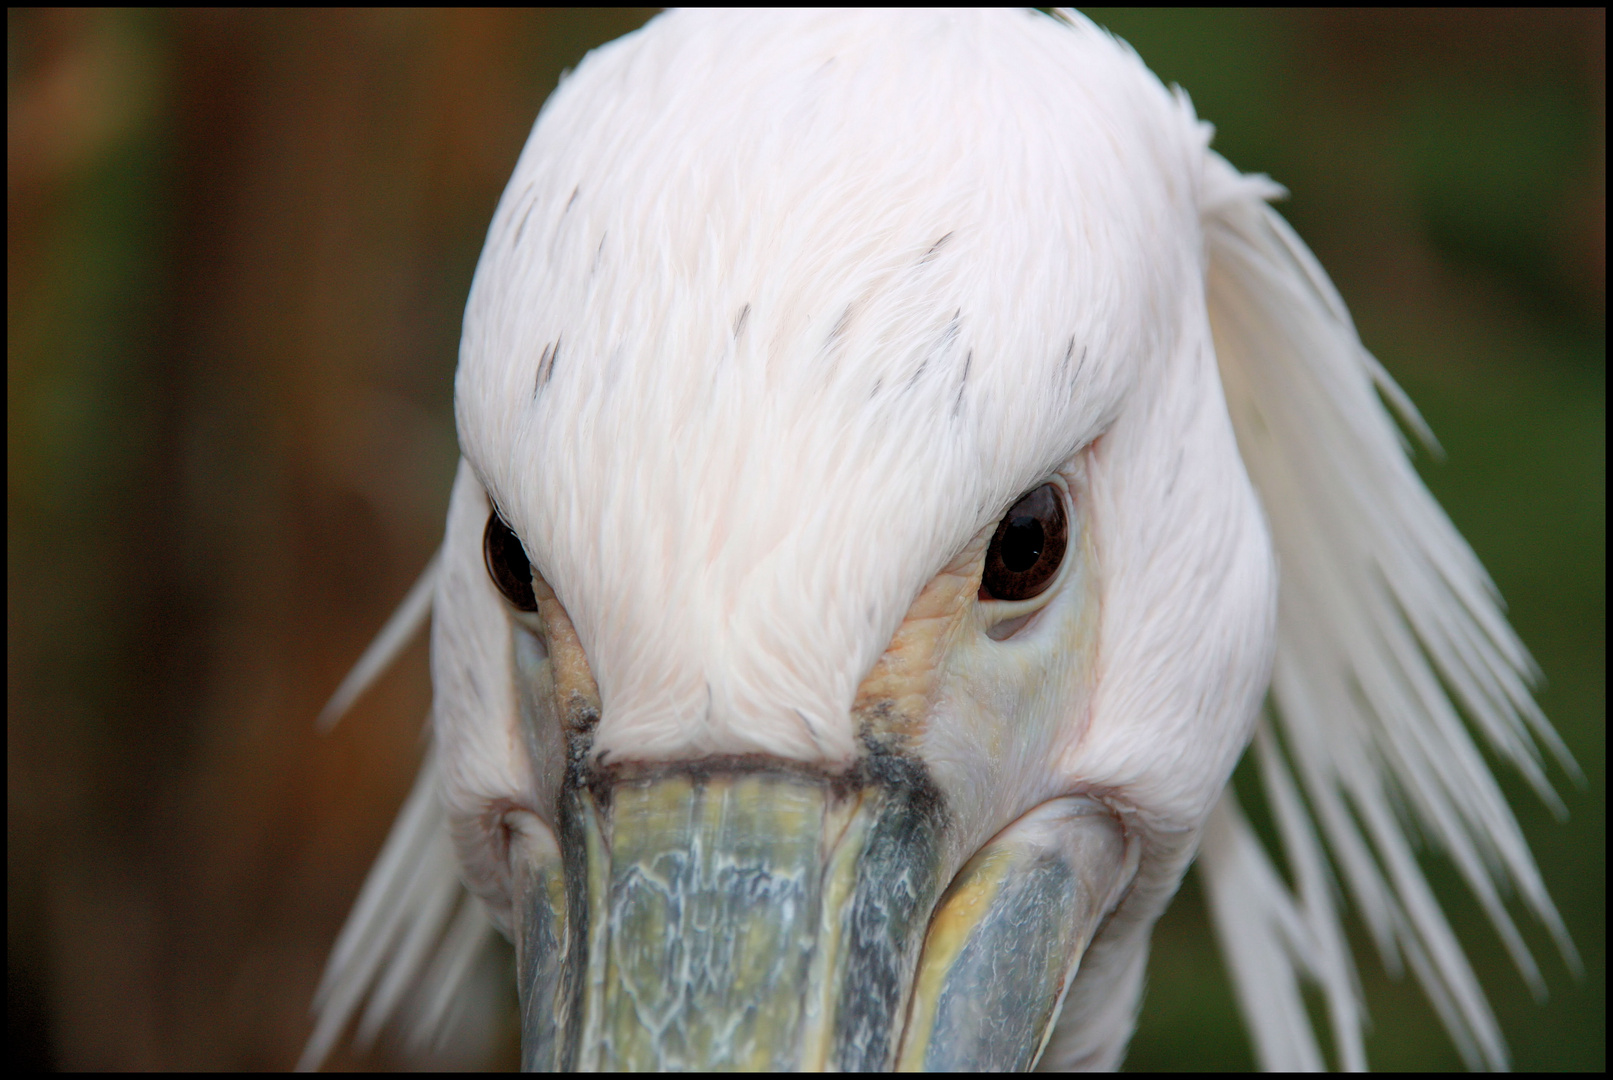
238	247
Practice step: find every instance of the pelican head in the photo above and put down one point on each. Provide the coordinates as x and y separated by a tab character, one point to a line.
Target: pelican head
881	435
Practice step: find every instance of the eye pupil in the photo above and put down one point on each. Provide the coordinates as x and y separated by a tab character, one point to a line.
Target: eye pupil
1022	544
1028	547
507	564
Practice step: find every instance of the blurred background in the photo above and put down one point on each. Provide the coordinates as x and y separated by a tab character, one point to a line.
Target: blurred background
238	247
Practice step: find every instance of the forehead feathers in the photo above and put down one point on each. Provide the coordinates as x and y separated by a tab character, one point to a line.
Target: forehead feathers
779	310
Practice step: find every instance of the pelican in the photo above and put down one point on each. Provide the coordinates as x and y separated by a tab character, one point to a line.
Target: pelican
903	471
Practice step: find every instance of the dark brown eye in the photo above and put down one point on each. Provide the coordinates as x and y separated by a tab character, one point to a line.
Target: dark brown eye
1028	547
507	565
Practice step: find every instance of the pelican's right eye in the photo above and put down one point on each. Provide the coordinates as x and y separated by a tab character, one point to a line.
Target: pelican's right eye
1028	548
507	564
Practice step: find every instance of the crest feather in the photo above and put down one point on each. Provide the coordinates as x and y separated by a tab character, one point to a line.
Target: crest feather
408	950
1386	622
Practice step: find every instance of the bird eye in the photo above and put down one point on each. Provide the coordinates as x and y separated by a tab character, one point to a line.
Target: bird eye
1028	547
507	564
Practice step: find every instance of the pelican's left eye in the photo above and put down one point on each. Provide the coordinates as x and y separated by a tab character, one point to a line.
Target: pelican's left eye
1028	547
507	564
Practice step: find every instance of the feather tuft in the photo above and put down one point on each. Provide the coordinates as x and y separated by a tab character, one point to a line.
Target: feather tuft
1387	624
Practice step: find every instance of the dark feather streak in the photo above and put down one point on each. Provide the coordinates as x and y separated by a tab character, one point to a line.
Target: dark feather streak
546	363
839	329
521	228
963	382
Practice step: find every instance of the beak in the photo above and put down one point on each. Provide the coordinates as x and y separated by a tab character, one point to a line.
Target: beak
753	915
1007	939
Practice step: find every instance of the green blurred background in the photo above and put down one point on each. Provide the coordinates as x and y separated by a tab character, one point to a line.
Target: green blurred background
238	246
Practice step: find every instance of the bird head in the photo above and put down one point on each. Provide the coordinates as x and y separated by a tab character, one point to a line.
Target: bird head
854	601
881	434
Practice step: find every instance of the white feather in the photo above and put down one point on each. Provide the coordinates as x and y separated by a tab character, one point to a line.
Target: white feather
1381	605
394	942
407	621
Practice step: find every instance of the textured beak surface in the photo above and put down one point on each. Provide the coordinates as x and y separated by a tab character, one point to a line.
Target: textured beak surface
749	916
1008	937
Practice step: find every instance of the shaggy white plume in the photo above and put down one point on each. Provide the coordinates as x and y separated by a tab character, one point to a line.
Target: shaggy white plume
1382	605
